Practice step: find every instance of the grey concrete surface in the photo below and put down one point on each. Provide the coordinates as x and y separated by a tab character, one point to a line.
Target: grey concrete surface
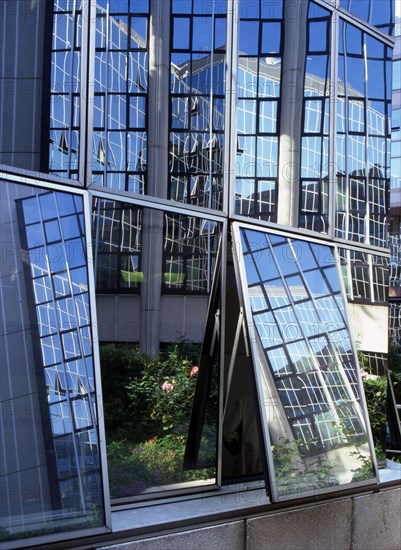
326	526
229	536
366	522
376	521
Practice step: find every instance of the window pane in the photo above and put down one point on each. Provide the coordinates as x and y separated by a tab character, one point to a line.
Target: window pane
316	438
52	460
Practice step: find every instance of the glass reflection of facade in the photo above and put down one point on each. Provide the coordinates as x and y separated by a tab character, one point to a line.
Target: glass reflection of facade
119	143
172	126
117	232
377	13
197	90
65	87
395	191
190	249
314	200
309	365
258	107
48	375
363	137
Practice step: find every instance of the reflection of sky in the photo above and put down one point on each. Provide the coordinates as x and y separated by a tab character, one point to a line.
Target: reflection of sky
52	225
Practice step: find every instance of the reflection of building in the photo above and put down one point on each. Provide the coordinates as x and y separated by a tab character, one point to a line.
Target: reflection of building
175	125
395	197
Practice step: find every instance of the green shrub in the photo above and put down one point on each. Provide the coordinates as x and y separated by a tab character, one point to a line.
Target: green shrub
147	404
119	364
376	400
165	388
394	366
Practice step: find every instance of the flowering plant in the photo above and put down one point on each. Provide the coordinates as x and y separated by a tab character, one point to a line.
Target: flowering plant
194	370
167	387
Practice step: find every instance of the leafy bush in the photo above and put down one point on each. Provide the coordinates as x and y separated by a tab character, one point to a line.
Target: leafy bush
376	400
147	403
119	364
394	365
166	388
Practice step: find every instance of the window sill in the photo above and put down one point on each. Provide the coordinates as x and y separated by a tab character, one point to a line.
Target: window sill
228	503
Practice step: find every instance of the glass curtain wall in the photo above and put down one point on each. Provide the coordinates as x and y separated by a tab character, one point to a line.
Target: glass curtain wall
376	12
363	138
260	46
119	147
153	442
65	88
158	265
50	454
197	102
314	192
306	370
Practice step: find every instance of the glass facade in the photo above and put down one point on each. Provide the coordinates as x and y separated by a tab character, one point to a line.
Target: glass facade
258	106
306	368
169	127
51	470
375	12
65	88
395	220
119	142
197	101
363	142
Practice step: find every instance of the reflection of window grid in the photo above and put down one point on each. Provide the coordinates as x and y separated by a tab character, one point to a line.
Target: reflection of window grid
360	276
64	89
258	112
190	247
315	124
395	260
197	108
380	279
120	120
363	139
117	232
379	14
377	362
395	322
61	213
320	399
365	276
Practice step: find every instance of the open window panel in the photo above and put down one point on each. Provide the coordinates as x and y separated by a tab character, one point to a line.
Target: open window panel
315	429
202	440
241	444
53	465
393	443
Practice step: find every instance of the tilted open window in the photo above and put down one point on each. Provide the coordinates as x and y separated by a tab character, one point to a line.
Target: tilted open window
52	468
316	436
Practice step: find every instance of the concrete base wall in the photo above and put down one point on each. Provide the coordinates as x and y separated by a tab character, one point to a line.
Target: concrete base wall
181	317
365	522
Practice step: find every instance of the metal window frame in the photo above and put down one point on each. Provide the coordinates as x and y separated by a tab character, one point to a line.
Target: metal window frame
25	179
252	337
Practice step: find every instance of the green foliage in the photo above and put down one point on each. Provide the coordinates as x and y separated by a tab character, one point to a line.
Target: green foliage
294	474
165	389
119	365
365	471
363	361
376	400
394	366
135	403
147	403
134	468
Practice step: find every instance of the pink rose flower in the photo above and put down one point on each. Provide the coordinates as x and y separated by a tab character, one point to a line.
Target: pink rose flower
167	387
364	374
194	371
